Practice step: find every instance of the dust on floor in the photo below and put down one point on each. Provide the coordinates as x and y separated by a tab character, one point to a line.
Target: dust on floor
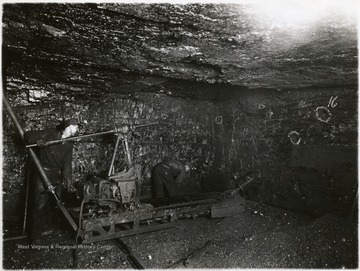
261	237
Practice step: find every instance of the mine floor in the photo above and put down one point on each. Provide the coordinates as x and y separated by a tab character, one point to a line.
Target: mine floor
261	237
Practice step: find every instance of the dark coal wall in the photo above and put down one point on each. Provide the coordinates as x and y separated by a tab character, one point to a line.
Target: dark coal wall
300	147
241	92
183	131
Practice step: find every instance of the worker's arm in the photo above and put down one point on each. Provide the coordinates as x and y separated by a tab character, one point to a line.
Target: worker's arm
41	137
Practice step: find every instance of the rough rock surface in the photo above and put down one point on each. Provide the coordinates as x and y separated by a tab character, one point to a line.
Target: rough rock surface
213	43
233	87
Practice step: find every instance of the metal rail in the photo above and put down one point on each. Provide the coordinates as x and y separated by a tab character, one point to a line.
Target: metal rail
131	257
191	255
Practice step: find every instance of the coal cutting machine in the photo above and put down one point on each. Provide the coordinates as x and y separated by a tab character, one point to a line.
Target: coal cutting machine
111	206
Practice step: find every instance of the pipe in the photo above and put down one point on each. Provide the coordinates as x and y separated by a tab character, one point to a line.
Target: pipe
114	155
73	138
89	135
32	153
127	152
38	165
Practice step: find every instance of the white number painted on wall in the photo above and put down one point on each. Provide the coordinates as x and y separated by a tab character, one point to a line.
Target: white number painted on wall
332	102
261	105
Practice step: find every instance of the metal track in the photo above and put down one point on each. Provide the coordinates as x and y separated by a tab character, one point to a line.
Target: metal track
126	249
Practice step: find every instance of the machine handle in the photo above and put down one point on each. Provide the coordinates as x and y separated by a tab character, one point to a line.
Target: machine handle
88	135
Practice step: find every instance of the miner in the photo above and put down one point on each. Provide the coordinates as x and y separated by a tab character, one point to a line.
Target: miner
166	176
56	160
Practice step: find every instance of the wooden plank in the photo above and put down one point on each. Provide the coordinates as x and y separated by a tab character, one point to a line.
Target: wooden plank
230	207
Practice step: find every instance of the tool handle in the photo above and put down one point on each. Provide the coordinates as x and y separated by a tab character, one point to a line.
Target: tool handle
89	135
71	138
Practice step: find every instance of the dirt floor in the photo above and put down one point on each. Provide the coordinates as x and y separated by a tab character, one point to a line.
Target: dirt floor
260	237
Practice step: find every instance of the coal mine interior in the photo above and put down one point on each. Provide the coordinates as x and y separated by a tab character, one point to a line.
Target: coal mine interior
210	135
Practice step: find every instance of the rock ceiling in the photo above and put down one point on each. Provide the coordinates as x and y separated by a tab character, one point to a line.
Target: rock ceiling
243	45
